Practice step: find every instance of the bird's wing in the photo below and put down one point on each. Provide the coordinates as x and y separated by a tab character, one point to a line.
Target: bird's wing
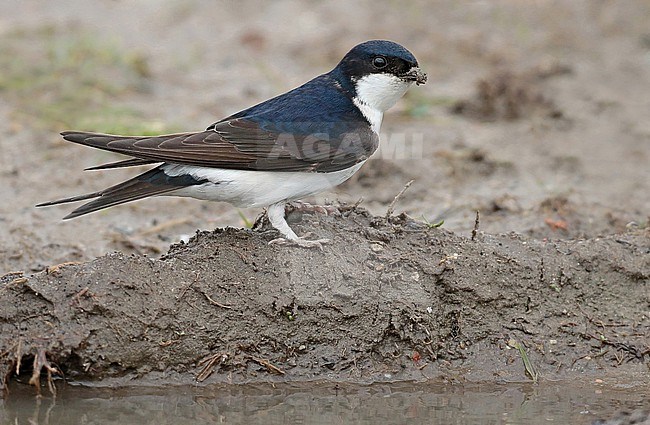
242	143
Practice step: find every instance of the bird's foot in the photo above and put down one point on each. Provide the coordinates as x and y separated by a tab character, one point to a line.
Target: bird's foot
276	213
301	206
301	242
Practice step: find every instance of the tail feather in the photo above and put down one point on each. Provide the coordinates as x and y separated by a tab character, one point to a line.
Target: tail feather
151	183
133	162
70	199
105	201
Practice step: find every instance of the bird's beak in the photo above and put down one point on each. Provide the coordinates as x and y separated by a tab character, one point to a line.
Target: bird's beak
417	75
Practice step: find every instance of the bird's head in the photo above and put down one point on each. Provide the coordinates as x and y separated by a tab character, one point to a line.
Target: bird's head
380	72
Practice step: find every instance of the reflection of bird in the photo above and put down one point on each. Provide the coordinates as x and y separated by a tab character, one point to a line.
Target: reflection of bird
297	144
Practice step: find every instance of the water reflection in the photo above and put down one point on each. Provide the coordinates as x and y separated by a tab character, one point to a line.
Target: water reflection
322	404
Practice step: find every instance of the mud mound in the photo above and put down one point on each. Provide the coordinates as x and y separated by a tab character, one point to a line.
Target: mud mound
384	301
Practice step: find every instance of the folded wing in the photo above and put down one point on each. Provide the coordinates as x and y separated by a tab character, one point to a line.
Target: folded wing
243	144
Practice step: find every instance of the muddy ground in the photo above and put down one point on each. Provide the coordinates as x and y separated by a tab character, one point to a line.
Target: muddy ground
535	116
388	300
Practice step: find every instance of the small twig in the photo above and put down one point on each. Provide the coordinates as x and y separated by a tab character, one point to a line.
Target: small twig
55	269
619	358
85	292
598	322
18	281
50	382
242	257
213	302
268	365
391	207
210	363
580	358
476	223
40	363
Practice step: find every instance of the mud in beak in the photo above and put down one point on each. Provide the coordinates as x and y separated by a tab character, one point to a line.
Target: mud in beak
416	74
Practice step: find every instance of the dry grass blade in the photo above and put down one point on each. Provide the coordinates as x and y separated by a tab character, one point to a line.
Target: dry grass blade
530	369
218	304
268	365
476	224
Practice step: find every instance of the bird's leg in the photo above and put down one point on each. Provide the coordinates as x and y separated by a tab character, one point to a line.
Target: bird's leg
276	217
307	207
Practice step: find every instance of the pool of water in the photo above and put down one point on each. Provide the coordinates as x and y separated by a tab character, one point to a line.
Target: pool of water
325	404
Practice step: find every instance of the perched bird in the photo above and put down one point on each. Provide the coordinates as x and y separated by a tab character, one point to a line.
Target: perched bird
302	142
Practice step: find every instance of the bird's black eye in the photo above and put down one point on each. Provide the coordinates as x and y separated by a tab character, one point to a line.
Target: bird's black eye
379	62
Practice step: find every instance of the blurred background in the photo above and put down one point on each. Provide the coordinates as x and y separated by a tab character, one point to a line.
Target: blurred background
536	113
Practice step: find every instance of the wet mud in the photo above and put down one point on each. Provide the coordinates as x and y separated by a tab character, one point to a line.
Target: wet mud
387	299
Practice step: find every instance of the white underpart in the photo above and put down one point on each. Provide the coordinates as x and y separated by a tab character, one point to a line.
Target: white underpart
247	188
376	93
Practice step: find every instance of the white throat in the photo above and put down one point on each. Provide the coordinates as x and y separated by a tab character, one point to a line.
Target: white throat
376	93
